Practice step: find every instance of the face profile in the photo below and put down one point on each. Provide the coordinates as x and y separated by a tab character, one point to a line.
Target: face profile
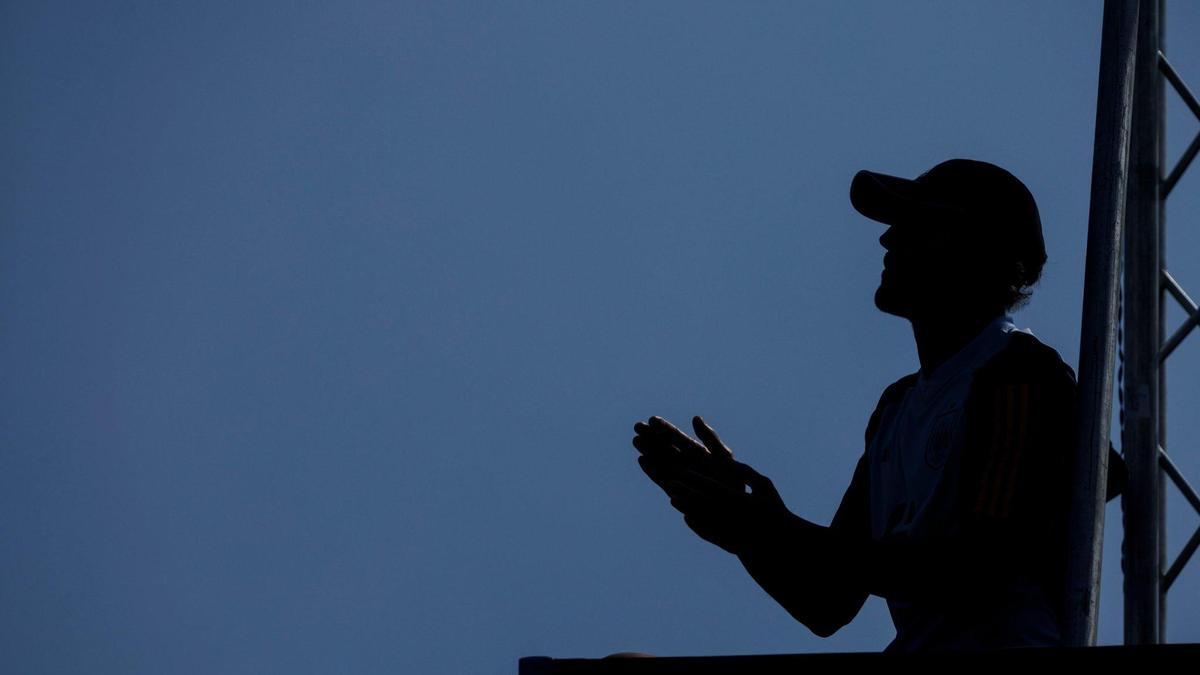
902	271
963	237
927	270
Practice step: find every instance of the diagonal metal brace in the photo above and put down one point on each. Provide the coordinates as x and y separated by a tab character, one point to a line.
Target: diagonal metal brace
1191	322
1177	82
1168	467
1176	567
1165	463
1184	162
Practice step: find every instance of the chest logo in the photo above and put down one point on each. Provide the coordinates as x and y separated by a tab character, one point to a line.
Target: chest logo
941	435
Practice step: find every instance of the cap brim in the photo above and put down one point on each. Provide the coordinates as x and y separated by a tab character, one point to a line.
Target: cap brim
896	201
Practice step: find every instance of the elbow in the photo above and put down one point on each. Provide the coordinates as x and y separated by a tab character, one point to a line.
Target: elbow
825	620
825	630
824	626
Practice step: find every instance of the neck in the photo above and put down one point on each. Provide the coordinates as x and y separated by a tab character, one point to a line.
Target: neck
940	336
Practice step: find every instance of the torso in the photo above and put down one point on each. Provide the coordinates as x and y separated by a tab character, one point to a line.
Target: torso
915	458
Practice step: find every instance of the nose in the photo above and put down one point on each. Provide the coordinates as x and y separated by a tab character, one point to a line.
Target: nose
888	238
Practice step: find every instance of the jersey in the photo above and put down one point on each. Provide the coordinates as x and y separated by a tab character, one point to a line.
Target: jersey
960	498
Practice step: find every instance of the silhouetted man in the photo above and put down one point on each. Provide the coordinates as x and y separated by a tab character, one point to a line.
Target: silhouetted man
956	510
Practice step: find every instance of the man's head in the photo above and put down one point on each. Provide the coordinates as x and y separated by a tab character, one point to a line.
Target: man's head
963	236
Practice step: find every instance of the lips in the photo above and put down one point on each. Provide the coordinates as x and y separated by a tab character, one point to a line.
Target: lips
898	259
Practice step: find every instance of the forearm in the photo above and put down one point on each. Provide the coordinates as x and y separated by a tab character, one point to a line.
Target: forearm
822	577
802	567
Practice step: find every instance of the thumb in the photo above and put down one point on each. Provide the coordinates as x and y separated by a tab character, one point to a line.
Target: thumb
754	479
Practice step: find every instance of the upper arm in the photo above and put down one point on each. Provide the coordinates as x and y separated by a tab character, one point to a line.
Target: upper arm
1015	479
852	518
1017	452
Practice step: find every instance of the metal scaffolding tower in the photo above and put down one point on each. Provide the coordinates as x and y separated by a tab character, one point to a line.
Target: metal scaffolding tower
1126	225
1149	286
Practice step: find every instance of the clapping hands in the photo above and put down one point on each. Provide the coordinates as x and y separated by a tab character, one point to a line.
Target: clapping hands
708	486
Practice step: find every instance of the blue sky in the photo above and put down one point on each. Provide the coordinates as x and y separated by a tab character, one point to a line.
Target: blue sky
326	325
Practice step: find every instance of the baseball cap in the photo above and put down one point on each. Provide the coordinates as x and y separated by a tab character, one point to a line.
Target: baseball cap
959	193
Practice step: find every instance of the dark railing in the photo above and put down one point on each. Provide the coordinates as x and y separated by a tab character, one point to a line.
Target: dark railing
1145	658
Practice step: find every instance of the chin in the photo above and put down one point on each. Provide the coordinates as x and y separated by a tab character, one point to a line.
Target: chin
890	302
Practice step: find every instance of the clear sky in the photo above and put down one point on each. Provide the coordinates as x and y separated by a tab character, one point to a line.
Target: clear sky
325	325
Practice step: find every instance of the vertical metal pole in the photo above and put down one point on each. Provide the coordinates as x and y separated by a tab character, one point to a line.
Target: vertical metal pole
1142	551
1097	340
1160	305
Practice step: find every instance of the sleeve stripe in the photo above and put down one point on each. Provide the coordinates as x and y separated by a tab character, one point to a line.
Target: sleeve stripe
1009	437
997	427
1003	453
1018	449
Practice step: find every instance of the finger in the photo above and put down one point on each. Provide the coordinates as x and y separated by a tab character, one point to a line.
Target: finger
681	501
656	447
690	502
650	466
711	489
678	488
660	441
686	444
656	471
710	439
663	460
694	493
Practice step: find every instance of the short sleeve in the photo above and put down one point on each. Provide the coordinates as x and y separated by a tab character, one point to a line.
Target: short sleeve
1019	449
1012	495
851	524
1015	485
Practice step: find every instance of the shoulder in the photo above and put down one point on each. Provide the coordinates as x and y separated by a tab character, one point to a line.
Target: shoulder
893	393
1019	432
1025	381
1027	360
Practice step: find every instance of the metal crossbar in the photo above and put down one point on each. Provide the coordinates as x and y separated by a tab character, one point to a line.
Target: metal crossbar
1184	162
1189	99
1168	72
1184	556
1172	472
1188	305
1189	493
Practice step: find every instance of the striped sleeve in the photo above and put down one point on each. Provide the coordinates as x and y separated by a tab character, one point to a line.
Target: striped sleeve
1017	457
1012	501
1006	443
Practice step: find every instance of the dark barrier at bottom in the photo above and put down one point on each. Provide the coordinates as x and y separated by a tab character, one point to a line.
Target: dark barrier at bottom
1143	656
